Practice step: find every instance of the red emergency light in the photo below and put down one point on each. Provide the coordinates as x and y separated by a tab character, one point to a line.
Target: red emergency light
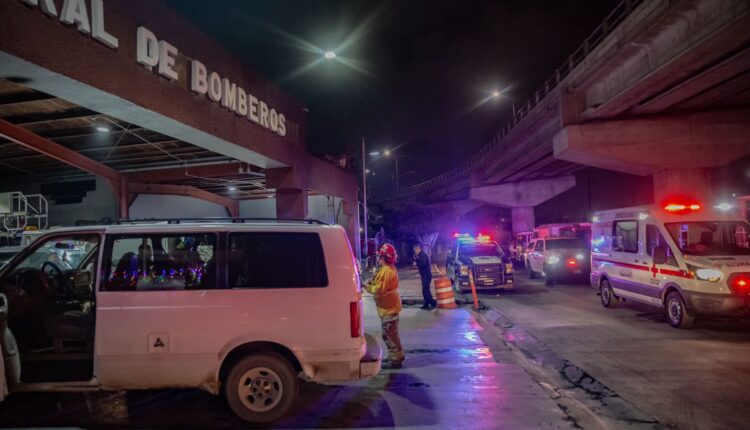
680	207
739	283
571	262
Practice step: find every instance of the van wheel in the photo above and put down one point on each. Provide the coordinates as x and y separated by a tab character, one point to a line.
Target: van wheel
677	313
532	273
608	297
261	388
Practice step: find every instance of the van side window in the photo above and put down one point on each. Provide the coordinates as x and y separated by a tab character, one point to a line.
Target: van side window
653	239
539	246
625	236
276	260
159	262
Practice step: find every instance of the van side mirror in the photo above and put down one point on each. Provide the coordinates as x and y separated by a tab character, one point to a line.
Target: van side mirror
660	255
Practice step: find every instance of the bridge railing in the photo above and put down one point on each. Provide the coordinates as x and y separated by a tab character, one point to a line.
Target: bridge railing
610	22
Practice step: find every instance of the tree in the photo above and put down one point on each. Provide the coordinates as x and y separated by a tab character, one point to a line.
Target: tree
420	223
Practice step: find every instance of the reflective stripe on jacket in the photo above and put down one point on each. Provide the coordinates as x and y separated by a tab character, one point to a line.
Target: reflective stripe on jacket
384	286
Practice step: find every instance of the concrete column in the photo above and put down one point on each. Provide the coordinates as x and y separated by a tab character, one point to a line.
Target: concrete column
291	203
291	191
522	218
351	210
683	184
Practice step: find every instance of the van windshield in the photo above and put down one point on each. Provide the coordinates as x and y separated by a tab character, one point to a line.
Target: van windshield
711	237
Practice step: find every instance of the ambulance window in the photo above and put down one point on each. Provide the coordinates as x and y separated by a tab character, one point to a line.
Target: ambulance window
625	236
276	260
653	239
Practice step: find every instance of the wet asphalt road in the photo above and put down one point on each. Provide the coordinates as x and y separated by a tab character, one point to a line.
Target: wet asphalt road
689	379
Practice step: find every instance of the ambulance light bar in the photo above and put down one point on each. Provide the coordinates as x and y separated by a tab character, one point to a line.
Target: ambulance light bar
678	207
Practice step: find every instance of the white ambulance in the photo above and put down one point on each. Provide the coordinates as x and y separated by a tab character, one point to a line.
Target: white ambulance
683	257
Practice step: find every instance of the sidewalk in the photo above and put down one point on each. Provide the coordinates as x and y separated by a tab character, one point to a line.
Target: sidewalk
454	376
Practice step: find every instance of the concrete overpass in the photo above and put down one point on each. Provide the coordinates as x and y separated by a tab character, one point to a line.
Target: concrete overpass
661	89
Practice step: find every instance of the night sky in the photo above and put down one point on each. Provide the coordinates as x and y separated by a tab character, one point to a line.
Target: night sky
417	69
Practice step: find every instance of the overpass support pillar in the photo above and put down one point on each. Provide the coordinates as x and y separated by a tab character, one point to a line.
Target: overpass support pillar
522	218
678	150
683	183
291	191
521	197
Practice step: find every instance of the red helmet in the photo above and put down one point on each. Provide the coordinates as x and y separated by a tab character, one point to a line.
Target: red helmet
388	252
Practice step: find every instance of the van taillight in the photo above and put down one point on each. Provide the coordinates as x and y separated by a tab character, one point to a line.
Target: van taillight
355	320
739	283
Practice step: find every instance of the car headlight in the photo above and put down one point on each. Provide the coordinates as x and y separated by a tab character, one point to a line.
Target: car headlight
464	270
703	274
579	256
553	259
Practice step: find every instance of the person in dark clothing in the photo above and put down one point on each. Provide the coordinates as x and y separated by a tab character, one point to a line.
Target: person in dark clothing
425	273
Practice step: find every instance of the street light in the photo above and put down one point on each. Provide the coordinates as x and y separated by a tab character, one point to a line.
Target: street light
330	55
496	94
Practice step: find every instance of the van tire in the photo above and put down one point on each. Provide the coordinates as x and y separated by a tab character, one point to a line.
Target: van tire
678	314
607	295
275	382
532	274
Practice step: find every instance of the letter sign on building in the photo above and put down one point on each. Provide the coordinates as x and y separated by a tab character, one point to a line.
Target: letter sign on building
152	52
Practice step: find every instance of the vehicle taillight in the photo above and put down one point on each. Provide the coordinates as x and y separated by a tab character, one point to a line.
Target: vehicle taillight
739	284
571	262
355	320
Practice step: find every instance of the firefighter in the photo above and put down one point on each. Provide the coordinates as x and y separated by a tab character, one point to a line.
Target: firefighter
384	286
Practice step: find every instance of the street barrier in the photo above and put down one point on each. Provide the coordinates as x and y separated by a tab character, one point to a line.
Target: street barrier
444	293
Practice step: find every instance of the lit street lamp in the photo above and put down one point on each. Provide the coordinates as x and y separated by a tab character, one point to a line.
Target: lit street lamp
329	55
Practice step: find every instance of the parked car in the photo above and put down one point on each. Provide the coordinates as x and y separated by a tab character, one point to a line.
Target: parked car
684	258
190	304
559	258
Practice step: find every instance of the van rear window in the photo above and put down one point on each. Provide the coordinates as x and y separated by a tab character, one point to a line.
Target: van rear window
276	260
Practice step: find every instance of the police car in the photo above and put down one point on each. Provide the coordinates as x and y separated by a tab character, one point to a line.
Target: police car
479	259
685	258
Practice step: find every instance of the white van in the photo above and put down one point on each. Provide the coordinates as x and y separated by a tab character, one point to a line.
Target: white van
685	258
242	308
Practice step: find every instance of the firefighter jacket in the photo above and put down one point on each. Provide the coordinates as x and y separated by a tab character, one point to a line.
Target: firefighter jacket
384	286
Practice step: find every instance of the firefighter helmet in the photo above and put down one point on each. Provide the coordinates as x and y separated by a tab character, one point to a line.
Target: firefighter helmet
388	252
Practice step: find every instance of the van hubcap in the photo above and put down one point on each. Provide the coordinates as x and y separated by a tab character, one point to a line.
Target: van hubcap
675	310
605	295
260	389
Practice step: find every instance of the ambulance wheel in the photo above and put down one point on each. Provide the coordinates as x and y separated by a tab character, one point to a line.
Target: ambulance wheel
261	388
677	313
608	297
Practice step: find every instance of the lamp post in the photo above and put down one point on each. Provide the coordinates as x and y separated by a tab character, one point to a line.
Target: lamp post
364	202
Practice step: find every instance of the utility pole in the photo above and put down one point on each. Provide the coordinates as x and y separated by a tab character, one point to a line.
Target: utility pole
395	158
364	202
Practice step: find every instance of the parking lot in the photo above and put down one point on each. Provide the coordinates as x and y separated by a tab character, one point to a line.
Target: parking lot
691	379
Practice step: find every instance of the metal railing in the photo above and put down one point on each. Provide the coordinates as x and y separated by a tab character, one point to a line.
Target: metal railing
610	22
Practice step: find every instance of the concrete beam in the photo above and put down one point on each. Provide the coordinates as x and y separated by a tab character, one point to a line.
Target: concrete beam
183	190
180	173
521	194
54	150
644	146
